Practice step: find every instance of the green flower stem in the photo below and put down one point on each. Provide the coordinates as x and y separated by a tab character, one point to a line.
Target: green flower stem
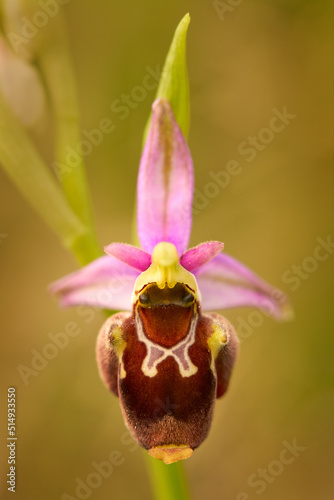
54	61
24	165
168	481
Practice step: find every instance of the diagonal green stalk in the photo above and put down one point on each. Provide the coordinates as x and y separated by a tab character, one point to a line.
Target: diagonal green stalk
24	165
55	63
49	49
168	482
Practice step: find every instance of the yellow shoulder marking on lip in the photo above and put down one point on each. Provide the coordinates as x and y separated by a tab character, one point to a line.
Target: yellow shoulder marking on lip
217	340
118	345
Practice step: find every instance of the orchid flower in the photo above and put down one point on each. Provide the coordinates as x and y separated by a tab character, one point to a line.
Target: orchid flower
165	358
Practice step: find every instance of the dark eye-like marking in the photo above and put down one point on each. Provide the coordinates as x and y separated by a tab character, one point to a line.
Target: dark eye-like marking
144	299
188	299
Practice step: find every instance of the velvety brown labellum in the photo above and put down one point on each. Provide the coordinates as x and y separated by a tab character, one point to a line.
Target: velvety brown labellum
160	361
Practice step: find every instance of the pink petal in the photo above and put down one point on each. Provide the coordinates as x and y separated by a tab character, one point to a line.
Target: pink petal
165	183
224	282
106	283
133	256
200	255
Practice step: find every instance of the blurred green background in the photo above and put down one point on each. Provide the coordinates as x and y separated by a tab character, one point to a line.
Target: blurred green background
243	63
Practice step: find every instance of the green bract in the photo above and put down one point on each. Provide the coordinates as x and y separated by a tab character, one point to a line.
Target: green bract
173	84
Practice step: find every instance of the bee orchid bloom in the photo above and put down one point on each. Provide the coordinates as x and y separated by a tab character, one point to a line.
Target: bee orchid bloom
165	358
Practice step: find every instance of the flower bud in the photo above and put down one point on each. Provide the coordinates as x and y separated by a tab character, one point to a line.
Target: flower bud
21	87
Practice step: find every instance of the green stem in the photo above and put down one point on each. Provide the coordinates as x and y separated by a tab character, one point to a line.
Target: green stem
24	165
55	63
168	482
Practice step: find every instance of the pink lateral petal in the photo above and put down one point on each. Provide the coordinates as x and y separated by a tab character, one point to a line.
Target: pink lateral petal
200	255
133	256
165	183
224	282
105	283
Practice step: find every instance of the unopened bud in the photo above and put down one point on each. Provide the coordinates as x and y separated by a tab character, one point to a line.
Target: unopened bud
21	87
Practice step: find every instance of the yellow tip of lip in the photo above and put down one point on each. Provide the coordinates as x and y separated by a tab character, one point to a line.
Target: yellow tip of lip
170	453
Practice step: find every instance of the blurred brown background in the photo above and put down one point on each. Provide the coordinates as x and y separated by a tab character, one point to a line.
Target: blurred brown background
243	63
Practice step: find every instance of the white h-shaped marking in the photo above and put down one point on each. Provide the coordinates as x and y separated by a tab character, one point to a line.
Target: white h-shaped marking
156	353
